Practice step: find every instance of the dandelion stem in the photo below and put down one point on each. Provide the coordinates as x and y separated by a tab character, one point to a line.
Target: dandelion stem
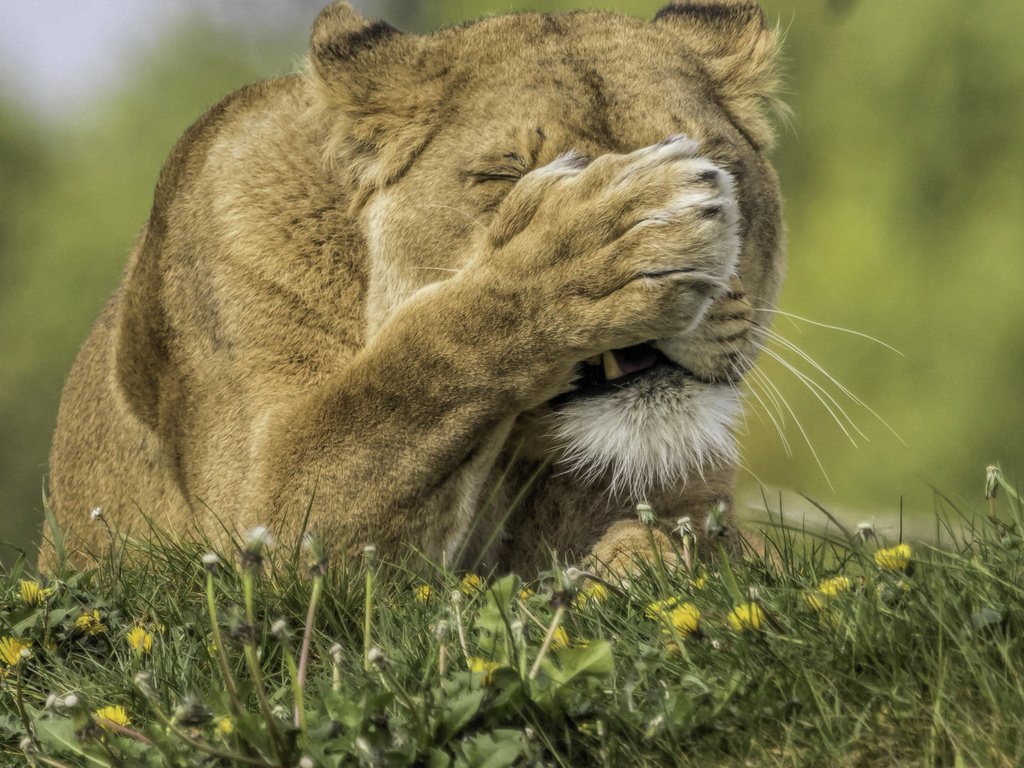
307	639
222	656
253	662
391	684
556	621
368	611
459	628
19	702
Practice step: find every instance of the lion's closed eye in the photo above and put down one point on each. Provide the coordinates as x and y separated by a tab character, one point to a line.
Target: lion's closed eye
483	177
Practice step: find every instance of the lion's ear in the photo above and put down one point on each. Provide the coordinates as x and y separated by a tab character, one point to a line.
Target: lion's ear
739	51
381	88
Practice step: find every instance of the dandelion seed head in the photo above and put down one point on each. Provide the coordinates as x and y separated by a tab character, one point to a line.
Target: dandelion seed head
258	540
144	682
96	514
574	574
376	657
441	630
866	531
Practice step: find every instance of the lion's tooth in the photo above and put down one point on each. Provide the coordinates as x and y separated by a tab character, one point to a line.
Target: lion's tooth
595	360
611	366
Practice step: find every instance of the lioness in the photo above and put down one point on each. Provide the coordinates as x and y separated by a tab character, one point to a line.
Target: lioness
474	293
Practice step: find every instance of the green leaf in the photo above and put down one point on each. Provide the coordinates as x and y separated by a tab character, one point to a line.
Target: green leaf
460	711
591	660
436	758
499	749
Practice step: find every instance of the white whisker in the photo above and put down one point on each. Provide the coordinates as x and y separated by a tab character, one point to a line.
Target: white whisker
803	432
850	331
782	435
845	390
820	393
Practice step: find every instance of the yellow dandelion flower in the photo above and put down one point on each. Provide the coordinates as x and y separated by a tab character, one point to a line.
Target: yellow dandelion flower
658	607
894	558
422	593
471	584
478	666
560	639
594	592
815	599
225	726
90	623
140	640
32	592
106	715
683	619
12	650
526	593
746	616
833	586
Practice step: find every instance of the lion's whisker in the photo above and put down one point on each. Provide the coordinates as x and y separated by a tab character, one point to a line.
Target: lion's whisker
778	428
813	385
820	393
773	396
800	427
842	388
791	316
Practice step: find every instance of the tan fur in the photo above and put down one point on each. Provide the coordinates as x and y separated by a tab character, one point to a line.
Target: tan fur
360	287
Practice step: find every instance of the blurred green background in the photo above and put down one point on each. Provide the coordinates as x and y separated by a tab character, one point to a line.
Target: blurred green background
903	172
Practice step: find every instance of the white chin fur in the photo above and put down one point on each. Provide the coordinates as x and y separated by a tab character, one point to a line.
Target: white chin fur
655	432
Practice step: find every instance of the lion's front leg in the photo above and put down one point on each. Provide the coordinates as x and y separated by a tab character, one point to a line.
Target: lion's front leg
582	257
394	452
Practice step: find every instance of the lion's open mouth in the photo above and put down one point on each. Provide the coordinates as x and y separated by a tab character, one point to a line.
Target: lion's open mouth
615	369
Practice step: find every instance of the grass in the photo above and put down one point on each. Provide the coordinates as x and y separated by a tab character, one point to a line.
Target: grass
828	650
